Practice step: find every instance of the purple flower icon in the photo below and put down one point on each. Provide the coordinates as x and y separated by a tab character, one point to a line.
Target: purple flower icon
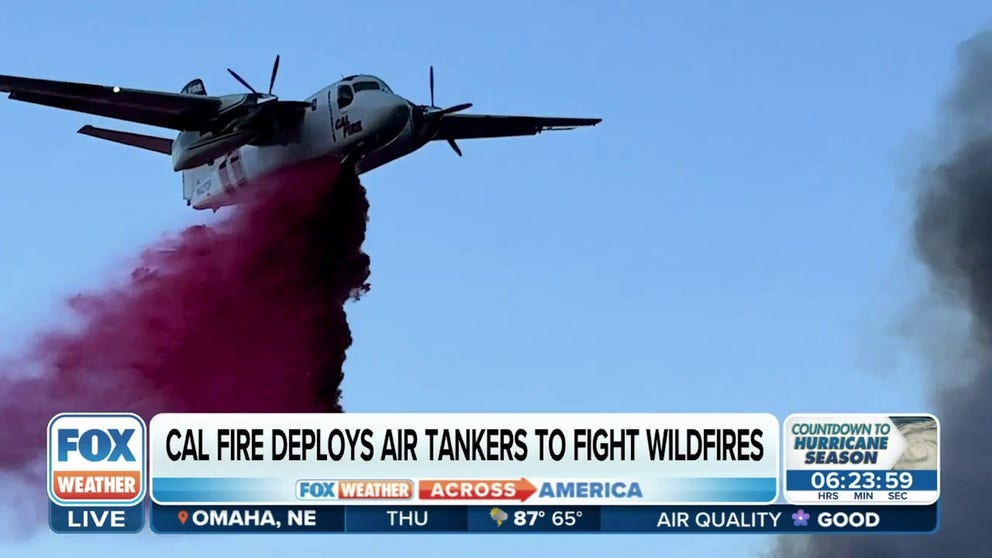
800	518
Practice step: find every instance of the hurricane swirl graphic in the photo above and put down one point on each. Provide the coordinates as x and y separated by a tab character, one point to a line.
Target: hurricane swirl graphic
921	445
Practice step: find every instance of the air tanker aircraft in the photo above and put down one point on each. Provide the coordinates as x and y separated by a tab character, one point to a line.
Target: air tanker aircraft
232	142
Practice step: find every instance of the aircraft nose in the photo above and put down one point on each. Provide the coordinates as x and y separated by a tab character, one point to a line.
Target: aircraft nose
397	116
391	116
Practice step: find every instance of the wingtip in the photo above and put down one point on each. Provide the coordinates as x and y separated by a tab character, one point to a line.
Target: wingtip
84	129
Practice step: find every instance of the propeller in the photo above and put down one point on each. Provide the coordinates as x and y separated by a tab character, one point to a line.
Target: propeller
436	116
242	81
275	71
456	108
272	80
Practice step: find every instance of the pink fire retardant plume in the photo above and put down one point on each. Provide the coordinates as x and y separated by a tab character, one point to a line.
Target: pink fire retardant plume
244	316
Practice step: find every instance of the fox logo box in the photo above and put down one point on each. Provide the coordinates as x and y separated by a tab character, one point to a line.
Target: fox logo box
96	459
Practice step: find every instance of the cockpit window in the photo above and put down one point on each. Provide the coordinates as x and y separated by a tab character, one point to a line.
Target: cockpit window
366	86
345	96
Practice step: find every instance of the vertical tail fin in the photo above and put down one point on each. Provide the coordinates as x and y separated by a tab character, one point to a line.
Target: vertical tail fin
195	87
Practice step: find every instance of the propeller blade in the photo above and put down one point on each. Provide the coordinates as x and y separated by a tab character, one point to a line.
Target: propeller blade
432	86
456	108
454	146
275	70
242	81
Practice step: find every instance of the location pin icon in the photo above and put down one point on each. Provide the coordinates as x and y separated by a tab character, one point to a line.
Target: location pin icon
183	516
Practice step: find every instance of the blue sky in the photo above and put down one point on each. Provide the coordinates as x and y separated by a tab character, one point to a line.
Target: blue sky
733	236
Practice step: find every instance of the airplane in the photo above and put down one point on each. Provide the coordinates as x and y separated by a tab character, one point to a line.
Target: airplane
226	144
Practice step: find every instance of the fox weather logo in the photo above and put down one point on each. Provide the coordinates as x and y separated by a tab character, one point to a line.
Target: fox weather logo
316	490
96	459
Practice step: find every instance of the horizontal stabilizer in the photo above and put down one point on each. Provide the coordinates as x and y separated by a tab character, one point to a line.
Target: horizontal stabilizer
151	143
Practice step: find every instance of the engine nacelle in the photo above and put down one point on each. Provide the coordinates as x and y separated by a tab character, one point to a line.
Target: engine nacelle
196	149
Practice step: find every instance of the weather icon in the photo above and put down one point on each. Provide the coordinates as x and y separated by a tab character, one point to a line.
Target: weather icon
499	516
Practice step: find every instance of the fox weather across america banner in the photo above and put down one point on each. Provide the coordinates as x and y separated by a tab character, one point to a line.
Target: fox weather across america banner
493	473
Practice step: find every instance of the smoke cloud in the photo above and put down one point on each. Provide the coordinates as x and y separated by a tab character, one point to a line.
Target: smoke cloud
244	316
953	239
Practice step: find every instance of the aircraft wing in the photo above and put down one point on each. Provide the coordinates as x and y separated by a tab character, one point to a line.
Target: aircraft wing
471	126
176	111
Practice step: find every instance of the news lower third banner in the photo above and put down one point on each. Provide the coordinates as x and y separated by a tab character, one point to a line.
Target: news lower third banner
473	472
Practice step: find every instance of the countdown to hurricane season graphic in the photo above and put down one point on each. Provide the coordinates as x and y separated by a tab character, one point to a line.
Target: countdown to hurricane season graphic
862	459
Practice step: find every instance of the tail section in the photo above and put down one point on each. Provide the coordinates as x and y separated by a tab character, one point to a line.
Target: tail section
151	143
195	87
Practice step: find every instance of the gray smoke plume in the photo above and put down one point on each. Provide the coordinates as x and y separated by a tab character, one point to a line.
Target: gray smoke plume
953	240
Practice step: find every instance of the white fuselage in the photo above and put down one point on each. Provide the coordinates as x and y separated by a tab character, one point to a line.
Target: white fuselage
357	117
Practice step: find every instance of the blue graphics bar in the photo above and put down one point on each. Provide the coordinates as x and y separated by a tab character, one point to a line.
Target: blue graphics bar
777	519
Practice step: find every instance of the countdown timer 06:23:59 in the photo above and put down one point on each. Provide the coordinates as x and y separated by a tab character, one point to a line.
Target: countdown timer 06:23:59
862	480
